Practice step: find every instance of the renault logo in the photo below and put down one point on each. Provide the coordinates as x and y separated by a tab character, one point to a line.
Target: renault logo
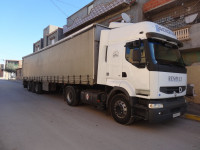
180	90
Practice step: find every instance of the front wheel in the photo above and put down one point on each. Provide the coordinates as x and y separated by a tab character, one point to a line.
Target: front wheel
121	109
71	96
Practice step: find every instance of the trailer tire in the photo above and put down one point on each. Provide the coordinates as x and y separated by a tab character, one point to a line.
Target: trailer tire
121	109
29	86
38	88
25	84
33	87
71	96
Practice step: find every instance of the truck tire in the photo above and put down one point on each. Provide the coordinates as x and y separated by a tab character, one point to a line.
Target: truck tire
33	87
121	109
71	96
25	84
38	88
29	86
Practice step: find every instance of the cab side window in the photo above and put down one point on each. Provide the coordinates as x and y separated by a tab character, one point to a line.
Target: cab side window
129	53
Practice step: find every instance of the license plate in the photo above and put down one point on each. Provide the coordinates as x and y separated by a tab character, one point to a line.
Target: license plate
176	115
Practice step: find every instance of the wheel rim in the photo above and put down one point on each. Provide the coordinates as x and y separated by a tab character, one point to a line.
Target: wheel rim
69	97
120	109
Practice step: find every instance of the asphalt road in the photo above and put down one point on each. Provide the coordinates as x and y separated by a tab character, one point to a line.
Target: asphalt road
45	122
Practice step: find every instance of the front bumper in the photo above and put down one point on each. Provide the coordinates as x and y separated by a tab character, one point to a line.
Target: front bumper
172	107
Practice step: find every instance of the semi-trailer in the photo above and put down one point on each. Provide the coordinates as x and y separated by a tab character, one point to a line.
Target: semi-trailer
133	70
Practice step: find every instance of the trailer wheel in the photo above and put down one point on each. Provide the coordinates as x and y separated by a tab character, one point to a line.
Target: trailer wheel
38	88
33	87
25	84
71	96
121	109
29	86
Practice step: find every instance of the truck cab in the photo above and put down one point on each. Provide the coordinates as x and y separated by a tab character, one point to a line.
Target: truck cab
142	62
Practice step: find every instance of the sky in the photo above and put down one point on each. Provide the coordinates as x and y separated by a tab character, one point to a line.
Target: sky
22	23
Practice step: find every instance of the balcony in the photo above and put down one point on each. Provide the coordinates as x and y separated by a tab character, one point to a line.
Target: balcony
182	34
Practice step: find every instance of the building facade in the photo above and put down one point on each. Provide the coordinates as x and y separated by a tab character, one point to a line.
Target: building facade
9	71
13	64
103	12
51	34
19	74
38	45
54	36
1	70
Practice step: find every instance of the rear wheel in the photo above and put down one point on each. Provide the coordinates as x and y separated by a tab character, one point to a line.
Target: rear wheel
121	109
33	87
29	86
25	84
38	87
71	96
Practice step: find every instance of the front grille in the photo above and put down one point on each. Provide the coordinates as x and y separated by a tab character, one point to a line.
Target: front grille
171	90
174	110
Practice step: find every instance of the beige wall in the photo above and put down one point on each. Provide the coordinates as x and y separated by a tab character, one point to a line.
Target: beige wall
6	75
194	78
19	74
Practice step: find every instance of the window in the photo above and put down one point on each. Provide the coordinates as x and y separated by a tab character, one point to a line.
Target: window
2	66
52	40
37	48
90	8
129	53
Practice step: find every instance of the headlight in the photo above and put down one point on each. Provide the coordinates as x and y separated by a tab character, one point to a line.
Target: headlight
155	106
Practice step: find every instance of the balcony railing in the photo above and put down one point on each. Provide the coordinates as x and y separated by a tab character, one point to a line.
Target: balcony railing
182	34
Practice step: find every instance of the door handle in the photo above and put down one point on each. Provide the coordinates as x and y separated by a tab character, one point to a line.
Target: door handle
124	75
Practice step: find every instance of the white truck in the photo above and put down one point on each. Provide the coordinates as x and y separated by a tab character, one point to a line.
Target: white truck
134	70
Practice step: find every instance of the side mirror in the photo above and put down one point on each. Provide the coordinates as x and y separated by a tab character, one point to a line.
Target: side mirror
137	55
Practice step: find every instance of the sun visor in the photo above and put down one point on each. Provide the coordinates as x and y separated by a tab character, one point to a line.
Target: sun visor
164	38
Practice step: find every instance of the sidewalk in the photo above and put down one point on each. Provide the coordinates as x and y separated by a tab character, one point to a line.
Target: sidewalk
193	111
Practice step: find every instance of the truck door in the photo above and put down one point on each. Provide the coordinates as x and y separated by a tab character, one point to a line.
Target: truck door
134	65
114	62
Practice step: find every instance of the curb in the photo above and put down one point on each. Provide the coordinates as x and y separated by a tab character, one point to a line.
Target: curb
192	117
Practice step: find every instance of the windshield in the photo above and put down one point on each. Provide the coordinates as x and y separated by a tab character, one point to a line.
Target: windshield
165	53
